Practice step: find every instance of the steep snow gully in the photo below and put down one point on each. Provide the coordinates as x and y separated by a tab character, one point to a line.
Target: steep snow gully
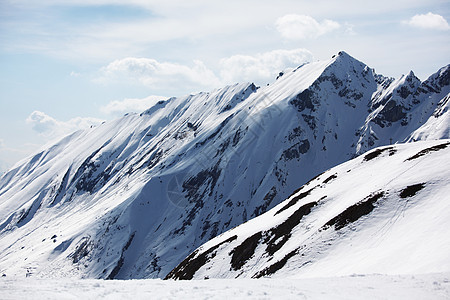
132	198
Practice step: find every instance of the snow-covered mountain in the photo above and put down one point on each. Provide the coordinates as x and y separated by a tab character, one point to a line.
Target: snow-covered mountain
384	212
133	197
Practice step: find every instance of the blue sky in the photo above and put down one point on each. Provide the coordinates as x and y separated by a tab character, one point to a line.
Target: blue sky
68	64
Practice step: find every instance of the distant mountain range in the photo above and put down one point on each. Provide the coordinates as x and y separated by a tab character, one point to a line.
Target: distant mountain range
132	198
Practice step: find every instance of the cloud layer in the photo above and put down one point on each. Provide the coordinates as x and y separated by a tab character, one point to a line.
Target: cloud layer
117	107
429	21
262	67
157	75
51	128
298	27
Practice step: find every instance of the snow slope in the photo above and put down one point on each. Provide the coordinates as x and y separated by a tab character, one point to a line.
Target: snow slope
133	197
429	286
384	212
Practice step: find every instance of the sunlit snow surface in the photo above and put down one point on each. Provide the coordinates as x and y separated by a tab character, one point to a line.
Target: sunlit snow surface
429	286
133	197
403	231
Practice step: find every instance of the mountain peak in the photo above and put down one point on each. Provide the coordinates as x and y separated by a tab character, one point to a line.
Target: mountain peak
151	188
343	77
345	63
341	54
344	56
411	74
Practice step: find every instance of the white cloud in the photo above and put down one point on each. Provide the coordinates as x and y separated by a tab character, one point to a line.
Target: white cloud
130	105
51	128
167	76
171	25
428	21
298	27
262	67
158	75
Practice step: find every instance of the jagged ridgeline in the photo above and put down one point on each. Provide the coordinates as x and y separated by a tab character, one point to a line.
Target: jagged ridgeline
135	196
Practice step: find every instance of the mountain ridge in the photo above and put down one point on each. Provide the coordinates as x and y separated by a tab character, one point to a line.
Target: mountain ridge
347	220
152	187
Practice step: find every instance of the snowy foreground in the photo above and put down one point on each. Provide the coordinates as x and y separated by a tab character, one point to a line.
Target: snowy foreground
428	286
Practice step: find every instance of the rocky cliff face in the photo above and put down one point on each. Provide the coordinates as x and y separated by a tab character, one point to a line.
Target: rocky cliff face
133	197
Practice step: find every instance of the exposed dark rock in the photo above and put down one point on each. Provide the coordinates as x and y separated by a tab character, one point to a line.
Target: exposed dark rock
354	212
223	147
192	126
303	101
314	178
119	264
350	104
310	120
334	176
268	198
191	264
295	133
335	81
203	178
27	214
196	188
411	190
213	228
62	187
391	112
442	107
85	174
155	158
404	92
205	227
297	190
436	82
428	150
279	235
296	150
350	94
244	216
82	250
154	264
294	200
236	137
24	215
276	266
377	152
226	108
444	78
242	253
